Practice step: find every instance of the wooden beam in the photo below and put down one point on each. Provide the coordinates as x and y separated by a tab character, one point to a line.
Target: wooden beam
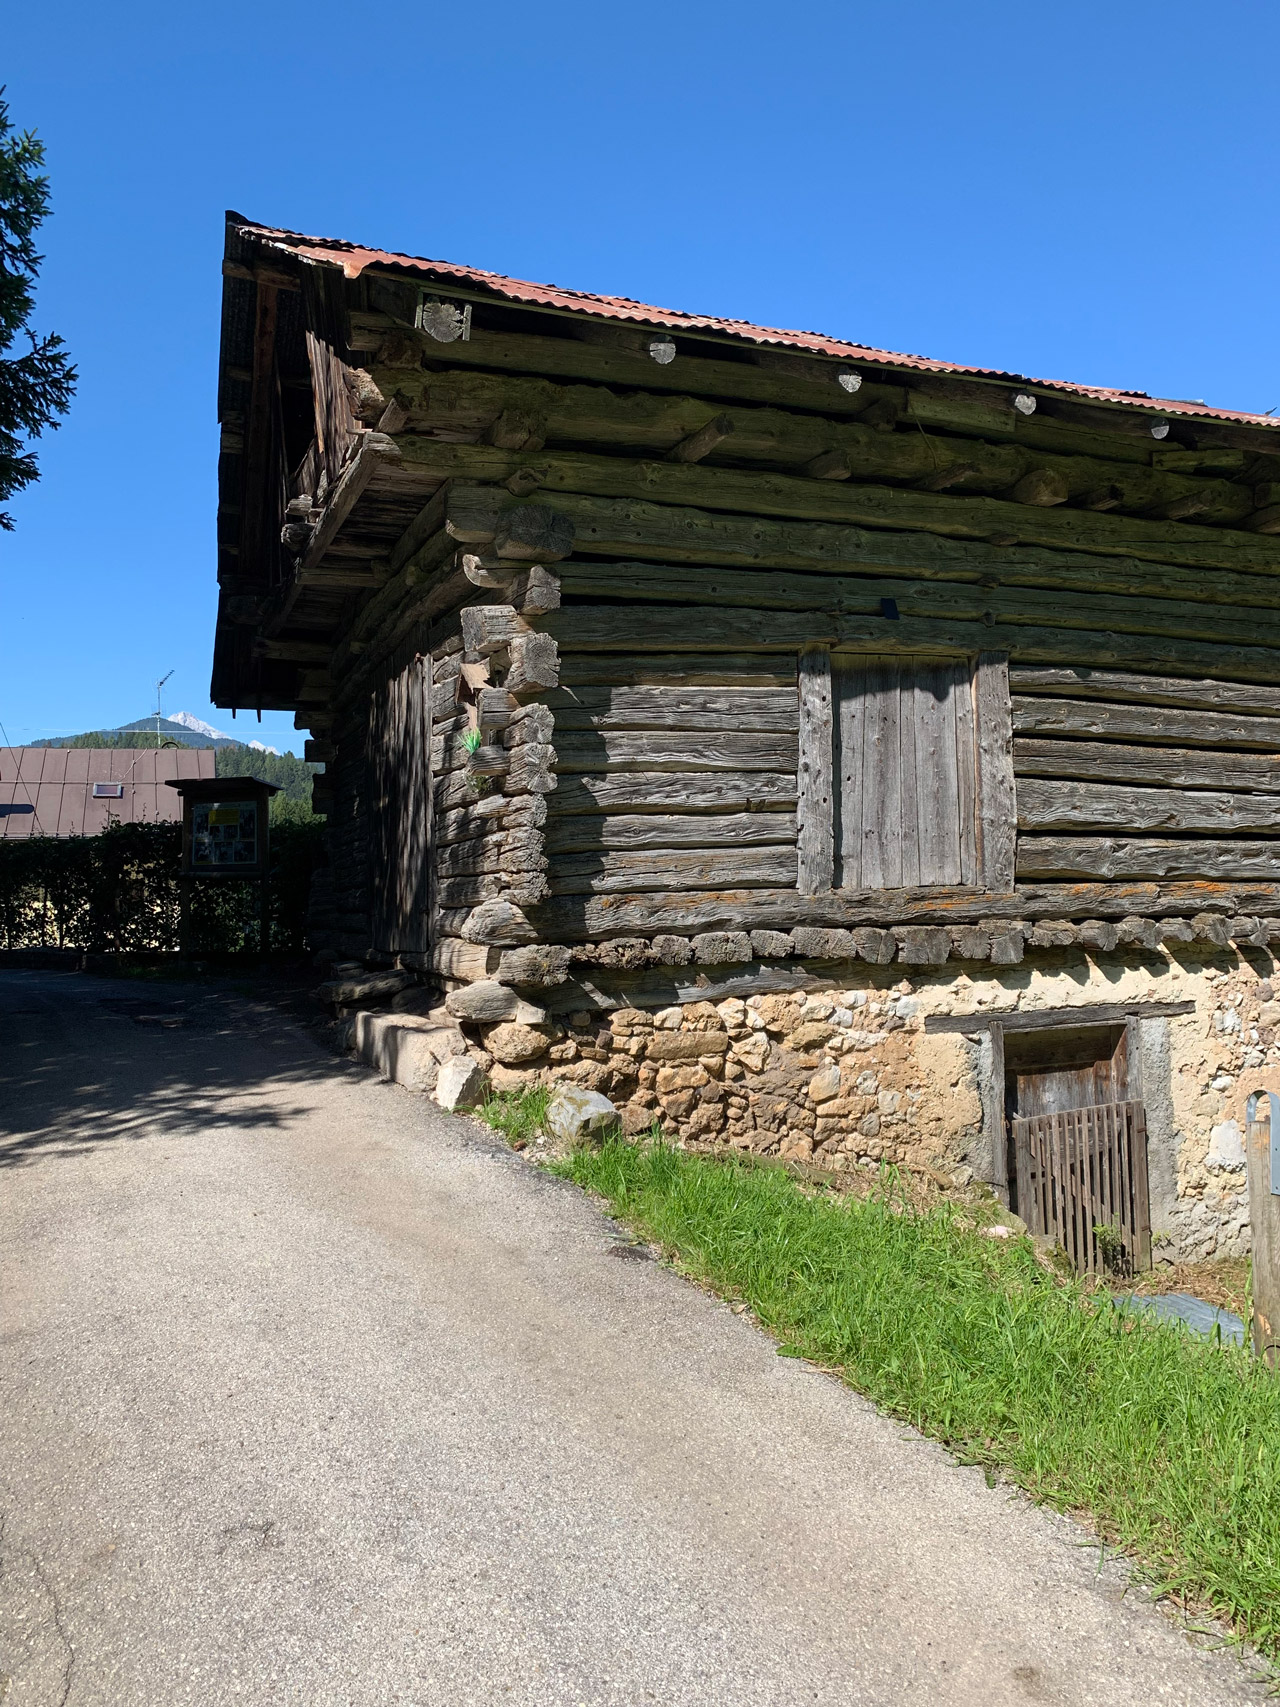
674	708
1063	806
601	628
1120	858
764	493
618	527
589	920
681	830
996	799
818	807
1054	1019
460	406
1086	683
1158	767
780	590
1159	725
673	791
954	402
702	442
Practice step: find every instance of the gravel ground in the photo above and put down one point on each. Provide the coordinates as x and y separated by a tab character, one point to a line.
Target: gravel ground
313	1394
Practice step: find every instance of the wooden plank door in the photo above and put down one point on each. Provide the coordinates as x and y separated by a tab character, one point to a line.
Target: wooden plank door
399	758
908	771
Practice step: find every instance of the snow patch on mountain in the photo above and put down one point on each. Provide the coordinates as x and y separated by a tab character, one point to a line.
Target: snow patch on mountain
198	726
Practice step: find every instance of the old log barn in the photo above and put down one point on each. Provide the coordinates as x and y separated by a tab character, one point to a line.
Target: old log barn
829	753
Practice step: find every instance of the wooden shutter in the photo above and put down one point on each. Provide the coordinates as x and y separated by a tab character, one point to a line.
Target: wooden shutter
399	755
908	771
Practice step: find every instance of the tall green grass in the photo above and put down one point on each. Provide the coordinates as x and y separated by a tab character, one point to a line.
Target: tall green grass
1170	1445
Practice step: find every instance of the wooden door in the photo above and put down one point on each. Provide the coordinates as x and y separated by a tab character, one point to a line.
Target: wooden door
399	758
907	770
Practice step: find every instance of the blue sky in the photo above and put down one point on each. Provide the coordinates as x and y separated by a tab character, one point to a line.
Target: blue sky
1081	191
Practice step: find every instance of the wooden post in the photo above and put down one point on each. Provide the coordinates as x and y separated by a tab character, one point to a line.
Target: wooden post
1262	1145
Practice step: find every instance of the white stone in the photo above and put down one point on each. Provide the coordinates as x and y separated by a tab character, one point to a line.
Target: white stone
668	1019
867	1085
825	1083
752	1051
999	1231
406	1048
461	1083
575	1114
842	1016
732	1012
1223	1082
816	1008
1226	1148
887	1102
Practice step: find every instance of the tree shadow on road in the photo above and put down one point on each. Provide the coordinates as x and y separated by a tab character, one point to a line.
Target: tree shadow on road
83	1065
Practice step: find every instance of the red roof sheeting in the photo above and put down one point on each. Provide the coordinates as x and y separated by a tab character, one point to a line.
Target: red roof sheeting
48	791
353	259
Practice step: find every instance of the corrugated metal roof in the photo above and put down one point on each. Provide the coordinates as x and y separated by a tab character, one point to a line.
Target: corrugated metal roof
48	791
353	259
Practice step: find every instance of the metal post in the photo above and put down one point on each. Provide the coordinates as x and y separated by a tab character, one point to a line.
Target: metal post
1262	1148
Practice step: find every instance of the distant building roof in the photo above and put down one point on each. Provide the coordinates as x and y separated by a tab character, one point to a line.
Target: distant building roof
76	791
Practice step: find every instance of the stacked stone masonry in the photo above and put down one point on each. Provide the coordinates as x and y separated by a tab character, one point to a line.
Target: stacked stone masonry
849	1077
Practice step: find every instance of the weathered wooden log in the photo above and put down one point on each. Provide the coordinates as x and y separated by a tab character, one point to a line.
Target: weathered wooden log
1075	808
741	708
1042	486
604	628
534	722
534	666
689	791
594	919
530	770
810	383
922	945
492	1001
487	629
458	892
934	599
702	441
1109	858
531	533
763	492
466	961
1166	725
465	823
537	963
689	670
1161	767
1083	682
662	830
498	922
608	872
692	750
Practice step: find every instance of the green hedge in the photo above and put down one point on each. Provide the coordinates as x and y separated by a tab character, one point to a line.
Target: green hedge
119	892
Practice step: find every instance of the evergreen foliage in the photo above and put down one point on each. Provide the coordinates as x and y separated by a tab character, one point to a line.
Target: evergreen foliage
37	385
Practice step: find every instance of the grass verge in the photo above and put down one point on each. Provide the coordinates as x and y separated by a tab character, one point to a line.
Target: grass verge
1170	1446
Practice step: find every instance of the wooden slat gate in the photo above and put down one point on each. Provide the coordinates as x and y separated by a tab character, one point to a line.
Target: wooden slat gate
399	755
1082	1169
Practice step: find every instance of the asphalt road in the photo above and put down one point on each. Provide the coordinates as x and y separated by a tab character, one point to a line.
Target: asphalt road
312	1394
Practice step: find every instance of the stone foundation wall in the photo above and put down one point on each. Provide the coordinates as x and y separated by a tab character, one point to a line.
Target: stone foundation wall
849	1077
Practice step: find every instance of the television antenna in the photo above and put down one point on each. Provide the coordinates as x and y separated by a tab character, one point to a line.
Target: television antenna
159	685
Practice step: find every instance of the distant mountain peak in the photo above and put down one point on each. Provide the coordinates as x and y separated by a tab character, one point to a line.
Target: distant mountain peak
198	726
